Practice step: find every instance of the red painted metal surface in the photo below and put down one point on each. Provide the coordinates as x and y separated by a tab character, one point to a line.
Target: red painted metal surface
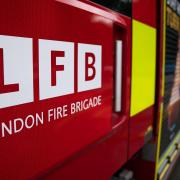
141	168
139	123
138	128
100	161
145	11
36	151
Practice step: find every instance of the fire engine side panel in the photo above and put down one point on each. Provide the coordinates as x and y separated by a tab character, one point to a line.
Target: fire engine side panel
103	158
34	150
98	162
145	11
143	73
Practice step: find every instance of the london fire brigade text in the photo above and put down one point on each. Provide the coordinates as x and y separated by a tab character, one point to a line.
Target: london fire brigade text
29	121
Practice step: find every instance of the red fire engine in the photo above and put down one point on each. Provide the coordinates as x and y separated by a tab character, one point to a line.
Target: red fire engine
80	87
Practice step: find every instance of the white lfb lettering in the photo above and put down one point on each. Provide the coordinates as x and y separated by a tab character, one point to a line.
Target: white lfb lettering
56	68
17	67
89	67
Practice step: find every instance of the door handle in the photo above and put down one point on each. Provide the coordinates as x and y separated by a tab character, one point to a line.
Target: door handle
118	75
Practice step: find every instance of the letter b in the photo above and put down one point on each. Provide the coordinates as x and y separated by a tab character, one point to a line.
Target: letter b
89	67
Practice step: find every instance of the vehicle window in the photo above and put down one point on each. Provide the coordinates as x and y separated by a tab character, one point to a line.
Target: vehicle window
121	6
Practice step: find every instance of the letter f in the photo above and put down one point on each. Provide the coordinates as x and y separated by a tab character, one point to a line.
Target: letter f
54	66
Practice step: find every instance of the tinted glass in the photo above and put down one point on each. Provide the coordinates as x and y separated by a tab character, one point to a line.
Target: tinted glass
122	6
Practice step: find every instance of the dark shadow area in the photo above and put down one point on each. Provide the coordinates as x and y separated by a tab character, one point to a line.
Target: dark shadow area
175	175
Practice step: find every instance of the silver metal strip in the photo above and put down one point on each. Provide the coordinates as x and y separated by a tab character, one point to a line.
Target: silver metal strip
118	76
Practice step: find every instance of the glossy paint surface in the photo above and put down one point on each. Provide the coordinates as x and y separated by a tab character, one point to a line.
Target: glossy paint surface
34	152
139	125
99	161
145	11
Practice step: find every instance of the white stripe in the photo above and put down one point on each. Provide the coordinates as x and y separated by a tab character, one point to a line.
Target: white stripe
118	76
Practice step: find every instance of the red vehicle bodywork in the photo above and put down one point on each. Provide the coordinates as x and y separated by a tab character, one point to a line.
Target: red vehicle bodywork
91	144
